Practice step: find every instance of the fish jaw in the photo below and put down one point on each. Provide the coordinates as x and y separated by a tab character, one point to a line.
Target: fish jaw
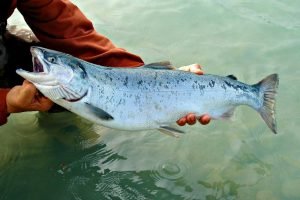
41	76
39	65
44	82
38	78
41	70
55	75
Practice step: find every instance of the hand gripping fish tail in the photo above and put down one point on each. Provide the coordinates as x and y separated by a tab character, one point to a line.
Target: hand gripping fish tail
268	90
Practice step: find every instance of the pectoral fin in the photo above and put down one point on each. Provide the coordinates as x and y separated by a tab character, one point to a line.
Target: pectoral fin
170	131
103	115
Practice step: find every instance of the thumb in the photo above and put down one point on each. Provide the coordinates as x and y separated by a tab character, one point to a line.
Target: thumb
27	92
26	82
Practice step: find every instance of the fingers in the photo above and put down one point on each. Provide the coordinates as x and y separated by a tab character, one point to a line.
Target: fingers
194	68
44	104
191	119
26	98
27	93
204	119
181	121
25	82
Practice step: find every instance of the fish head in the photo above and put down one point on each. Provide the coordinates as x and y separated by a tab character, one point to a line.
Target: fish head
57	75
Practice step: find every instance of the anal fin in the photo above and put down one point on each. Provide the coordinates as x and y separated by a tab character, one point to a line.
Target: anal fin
170	131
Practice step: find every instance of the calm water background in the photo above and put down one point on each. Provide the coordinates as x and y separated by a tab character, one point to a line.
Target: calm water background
61	156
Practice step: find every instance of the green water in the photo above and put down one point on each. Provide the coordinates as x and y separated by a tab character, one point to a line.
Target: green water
61	156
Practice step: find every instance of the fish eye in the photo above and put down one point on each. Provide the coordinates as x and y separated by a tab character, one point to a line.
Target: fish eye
51	59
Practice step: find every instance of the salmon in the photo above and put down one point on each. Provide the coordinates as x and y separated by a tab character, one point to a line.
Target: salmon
152	96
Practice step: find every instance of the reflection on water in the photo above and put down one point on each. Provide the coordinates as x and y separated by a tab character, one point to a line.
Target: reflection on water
61	156
70	156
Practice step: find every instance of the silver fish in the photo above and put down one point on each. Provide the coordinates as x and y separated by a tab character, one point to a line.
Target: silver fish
149	97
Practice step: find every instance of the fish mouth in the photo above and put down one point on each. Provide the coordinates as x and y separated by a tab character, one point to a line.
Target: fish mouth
37	60
37	65
40	74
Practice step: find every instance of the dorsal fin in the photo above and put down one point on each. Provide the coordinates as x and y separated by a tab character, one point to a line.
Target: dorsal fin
160	65
231	76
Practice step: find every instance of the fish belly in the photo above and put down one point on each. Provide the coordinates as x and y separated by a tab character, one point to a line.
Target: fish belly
150	110
149	102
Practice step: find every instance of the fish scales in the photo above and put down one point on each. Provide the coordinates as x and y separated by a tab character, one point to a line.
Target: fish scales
149	97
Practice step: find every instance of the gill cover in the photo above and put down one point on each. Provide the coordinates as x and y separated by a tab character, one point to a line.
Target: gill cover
72	87
68	72
57	75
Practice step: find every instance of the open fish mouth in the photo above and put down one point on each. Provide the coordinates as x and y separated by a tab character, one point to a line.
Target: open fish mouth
40	74
52	77
37	65
36	60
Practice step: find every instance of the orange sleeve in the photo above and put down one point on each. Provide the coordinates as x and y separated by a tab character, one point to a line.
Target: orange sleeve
3	107
61	26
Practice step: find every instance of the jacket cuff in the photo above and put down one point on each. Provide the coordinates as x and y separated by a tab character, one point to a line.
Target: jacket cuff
3	106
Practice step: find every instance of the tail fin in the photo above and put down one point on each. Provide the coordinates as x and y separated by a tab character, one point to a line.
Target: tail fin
268	88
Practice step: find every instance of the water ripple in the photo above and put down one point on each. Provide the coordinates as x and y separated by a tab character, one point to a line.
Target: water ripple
256	11
170	170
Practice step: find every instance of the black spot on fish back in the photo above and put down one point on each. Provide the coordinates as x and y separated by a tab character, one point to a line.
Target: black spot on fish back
211	83
236	86
198	85
223	86
107	76
201	87
126	81
140	82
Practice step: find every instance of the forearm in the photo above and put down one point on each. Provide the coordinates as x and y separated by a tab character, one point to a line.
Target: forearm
60	25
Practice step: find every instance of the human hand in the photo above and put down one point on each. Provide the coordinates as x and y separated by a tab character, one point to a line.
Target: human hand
191	118
26	98
194	68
